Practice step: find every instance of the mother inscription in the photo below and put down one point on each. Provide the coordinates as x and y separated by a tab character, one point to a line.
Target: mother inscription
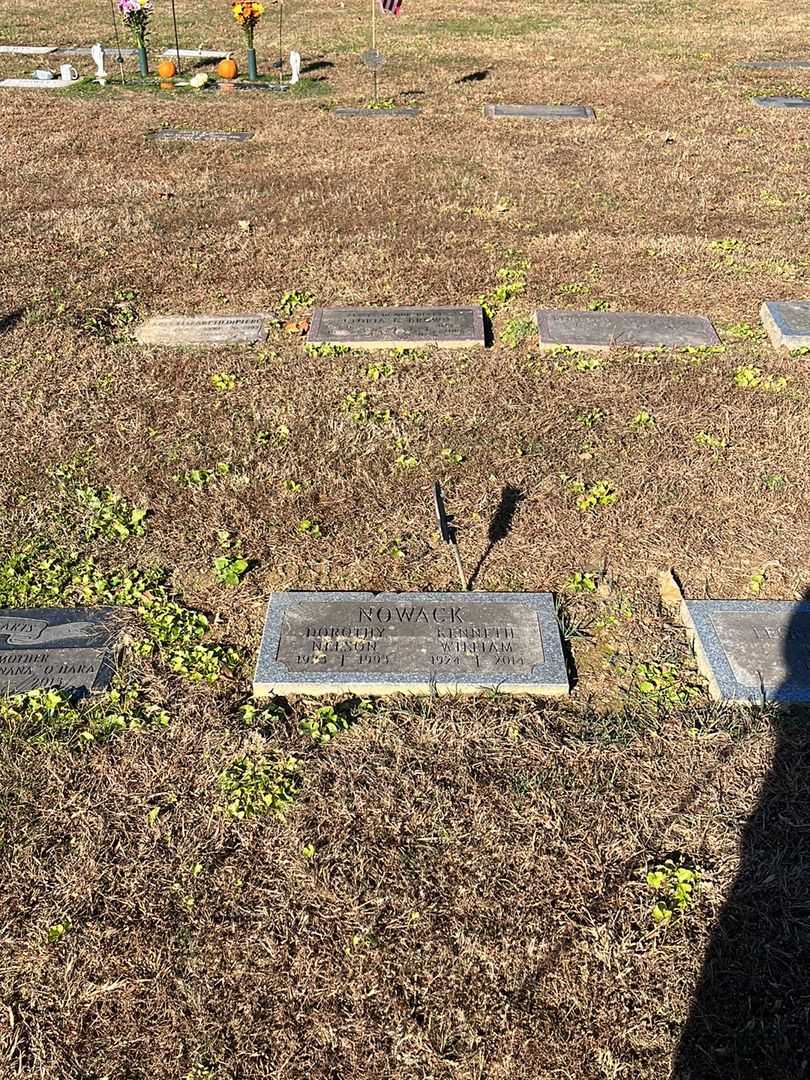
411	643
58	648
398	327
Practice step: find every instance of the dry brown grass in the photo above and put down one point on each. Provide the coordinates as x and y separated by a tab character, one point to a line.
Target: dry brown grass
476	905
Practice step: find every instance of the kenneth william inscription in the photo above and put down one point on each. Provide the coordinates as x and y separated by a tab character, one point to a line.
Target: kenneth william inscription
387	643
59	648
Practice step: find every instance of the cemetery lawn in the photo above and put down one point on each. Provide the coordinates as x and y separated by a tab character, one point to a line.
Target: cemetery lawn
445	889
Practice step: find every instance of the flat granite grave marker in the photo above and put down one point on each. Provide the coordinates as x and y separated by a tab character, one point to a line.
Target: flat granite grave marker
540	112
343	112
783	102
248	86
195	54
211	330
35	84
610	329
751	650
178	135
787	323
394	328
28	50
58	648
86	50
773	65
410	643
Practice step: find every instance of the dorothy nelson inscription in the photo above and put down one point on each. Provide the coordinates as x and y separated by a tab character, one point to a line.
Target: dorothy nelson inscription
60	648
410	643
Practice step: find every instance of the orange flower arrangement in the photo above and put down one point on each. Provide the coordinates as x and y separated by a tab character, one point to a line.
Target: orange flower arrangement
247	13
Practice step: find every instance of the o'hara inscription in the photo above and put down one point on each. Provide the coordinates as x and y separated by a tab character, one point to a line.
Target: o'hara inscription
59	648
410	643
752	650
392	328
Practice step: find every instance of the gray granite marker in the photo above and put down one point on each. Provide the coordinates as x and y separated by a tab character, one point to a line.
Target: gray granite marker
178	135
540	112
28	50
787	323
393	328
209	330
59	648
410	643
608	329
782	102
263	88
87	51
773	65
195	54
345	113
751	650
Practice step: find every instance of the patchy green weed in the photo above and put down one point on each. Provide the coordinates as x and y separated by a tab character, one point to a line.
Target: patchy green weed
260	785
675	884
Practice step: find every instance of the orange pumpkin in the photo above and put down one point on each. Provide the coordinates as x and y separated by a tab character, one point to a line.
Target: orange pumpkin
226	69
166	69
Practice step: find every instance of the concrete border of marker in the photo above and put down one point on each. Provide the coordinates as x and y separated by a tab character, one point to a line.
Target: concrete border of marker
547	677
552	113
602	330
399	327
782	102
400	112
192	136
204	331
776	319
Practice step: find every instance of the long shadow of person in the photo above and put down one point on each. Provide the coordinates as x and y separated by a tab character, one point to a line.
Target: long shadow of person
500	525
750	1017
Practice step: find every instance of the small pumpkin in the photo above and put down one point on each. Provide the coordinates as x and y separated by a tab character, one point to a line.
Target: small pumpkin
226	69
166	69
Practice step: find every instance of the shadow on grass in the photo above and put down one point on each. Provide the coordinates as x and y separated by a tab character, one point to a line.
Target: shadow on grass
10	320
499	526
750	1017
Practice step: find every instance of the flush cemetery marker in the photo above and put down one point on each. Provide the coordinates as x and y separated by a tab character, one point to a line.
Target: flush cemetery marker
787	323
58	648
608	329
774	65
783	102
410	643
751	650
540	112
398	327
206	330
178	135
343	112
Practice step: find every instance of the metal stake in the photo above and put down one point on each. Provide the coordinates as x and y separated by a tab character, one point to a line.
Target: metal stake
176	38
447	533
117	41
374	44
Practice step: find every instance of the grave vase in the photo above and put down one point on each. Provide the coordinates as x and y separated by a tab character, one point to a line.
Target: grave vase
251	59
143	61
